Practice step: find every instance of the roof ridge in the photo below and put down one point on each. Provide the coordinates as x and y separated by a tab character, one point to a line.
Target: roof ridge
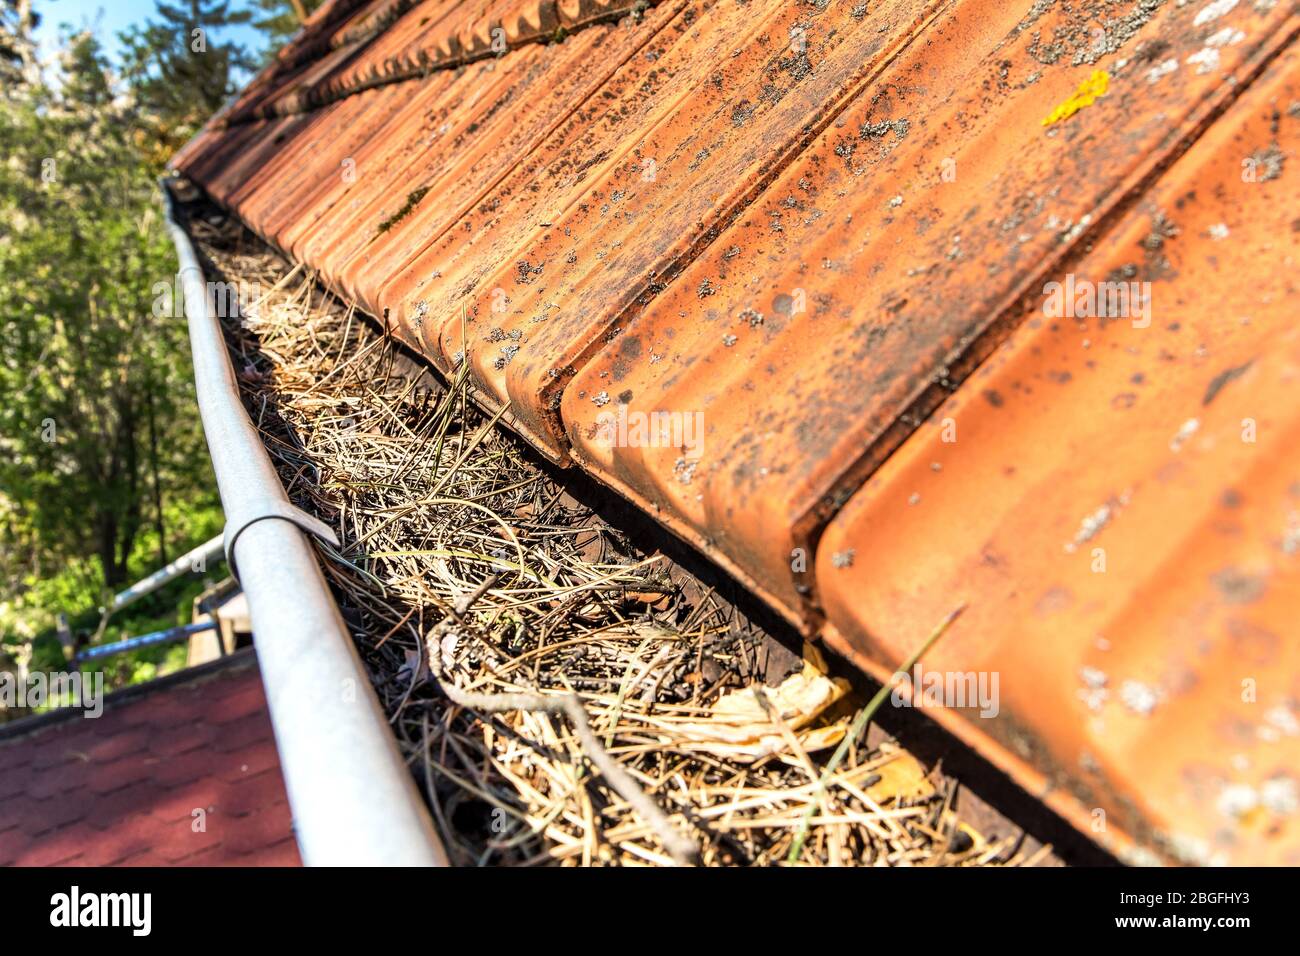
490	33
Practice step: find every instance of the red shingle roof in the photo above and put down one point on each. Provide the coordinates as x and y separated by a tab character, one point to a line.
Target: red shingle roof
184	772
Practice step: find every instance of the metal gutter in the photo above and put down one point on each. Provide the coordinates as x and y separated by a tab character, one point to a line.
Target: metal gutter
354	802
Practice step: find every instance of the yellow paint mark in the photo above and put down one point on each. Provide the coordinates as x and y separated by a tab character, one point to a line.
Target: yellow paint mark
1088	92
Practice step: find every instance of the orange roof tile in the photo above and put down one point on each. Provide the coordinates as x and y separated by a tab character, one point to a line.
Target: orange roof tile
814	231
1118	499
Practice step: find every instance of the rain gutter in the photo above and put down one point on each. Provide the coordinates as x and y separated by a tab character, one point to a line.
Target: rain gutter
353	799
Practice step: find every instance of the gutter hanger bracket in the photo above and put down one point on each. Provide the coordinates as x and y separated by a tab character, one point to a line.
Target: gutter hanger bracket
264	509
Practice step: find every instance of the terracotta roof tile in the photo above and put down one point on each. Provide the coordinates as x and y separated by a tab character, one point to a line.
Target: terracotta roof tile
818	230
1132	557
862	285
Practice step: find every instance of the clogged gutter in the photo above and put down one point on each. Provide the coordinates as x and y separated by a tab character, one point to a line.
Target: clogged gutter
459	551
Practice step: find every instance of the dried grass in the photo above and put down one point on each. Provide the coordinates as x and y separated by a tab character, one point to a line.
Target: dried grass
434	502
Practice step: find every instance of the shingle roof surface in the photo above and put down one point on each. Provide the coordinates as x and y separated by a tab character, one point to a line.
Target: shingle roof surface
183	774
826	229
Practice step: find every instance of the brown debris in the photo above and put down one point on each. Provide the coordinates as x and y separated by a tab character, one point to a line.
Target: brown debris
486	602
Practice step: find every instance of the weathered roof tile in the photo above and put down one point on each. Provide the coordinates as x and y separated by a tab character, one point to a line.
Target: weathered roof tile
743	260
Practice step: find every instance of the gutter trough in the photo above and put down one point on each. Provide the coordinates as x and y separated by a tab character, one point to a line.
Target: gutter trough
353	800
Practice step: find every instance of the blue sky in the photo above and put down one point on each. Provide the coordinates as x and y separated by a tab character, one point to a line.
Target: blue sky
109	17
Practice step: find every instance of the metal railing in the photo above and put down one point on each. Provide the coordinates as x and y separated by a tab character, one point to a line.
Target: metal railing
194	560
146	640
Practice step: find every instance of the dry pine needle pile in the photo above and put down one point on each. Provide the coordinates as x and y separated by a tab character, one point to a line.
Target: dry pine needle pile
559	696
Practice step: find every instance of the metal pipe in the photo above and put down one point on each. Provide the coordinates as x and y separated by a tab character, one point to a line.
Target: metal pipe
354	802
144	640
195	560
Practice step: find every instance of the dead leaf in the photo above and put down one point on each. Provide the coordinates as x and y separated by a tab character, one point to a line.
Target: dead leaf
740	729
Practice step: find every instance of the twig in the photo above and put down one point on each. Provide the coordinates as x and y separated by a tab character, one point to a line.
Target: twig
681	848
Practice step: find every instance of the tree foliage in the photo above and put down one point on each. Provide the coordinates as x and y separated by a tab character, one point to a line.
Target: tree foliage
280	19
17	52
84	359
179	71
99	434
103	467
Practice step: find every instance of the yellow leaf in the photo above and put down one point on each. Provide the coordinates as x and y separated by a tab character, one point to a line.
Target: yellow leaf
1088	92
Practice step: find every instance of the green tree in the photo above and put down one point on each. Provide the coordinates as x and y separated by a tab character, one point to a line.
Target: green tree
17	51
84	355
179	72
280	19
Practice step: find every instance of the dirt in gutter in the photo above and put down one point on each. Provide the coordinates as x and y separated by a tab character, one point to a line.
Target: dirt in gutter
585	595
